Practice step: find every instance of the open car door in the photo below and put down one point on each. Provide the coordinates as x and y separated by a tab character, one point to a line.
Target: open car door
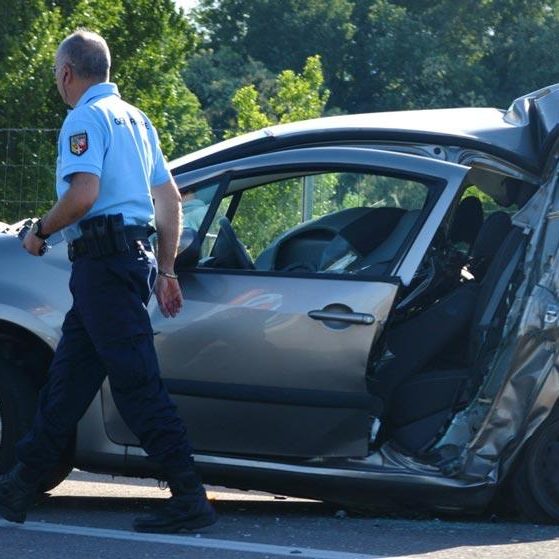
269	355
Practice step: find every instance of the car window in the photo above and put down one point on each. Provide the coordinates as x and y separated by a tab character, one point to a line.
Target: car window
271	209
195	204
211	235
324	222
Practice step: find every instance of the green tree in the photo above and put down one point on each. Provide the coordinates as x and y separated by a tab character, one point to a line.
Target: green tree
279	34
296	97
415	55
396	54
16	17
276	35
150	43
522	49
214	76
250	115
28	99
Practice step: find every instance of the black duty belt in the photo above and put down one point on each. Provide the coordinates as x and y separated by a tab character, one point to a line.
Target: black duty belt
80	247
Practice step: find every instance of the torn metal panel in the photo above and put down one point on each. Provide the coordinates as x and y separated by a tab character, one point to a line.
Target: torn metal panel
520	388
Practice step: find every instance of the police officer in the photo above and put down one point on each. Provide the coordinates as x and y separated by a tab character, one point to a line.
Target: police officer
109	169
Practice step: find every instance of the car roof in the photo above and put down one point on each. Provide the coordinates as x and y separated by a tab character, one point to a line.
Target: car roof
523	134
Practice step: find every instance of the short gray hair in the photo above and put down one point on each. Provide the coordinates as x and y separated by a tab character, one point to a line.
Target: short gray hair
88	54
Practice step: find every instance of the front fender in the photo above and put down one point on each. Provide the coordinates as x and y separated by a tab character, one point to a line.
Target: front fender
42	322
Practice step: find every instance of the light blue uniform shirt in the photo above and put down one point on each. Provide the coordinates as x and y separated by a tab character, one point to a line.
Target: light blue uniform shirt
107	137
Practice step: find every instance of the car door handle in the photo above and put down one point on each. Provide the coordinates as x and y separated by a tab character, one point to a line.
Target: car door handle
351	317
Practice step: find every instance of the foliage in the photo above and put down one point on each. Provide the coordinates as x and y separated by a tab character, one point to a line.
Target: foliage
300	96
383	55
404	58
16	17
296	97
184	71
396	54
250	115
279	34
264	213
214	77
149	42
521	55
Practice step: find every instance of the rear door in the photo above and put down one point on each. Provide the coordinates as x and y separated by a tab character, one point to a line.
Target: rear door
273	360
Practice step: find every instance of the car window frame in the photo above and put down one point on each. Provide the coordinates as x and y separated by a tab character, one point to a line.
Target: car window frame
446	176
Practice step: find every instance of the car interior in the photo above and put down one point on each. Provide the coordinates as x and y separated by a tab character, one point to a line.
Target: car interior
433	358
446	326
362	236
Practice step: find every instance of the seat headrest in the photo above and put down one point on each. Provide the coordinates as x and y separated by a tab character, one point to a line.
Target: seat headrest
519	191
467	221
489	240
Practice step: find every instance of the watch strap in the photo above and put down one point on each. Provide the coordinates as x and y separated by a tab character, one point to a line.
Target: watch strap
38	230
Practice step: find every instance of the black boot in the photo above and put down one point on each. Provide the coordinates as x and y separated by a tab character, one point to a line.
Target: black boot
16	495
187	509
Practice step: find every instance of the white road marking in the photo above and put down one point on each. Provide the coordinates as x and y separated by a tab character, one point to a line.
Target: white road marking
190	541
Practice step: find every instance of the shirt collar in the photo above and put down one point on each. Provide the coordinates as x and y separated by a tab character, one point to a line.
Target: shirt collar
98	90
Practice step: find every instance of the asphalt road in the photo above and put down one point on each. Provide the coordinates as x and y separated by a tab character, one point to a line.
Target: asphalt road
90	517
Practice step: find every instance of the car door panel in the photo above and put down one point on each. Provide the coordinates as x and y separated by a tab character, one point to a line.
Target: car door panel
254	364
255	323
243	341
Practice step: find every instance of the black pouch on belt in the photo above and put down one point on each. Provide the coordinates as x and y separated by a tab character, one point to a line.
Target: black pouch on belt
96	237
117	233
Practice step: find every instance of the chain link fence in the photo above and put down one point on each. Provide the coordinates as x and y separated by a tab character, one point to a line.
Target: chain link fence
27	172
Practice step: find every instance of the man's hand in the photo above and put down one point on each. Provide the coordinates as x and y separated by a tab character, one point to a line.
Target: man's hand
76	202
33	245
169	296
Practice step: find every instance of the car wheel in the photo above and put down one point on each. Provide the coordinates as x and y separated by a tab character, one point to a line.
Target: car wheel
535	481
18	401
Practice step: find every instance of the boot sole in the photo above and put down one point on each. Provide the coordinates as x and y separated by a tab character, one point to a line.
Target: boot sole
173	527
12	516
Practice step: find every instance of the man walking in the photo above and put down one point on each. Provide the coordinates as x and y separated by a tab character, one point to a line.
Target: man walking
109	168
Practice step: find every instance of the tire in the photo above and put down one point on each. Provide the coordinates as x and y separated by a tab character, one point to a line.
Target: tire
535	480
18	402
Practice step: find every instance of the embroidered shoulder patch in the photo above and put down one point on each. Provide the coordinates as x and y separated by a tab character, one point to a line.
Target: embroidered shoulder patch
78	143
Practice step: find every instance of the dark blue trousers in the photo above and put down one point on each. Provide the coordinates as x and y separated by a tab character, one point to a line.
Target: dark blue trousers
107	333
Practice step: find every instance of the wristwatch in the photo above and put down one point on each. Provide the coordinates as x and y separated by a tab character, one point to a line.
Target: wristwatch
37	230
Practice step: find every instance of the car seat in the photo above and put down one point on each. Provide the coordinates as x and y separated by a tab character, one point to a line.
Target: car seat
421	405
377	259
416	342
467	221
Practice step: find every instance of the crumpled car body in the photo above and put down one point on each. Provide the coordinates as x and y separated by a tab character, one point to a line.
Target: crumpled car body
370	312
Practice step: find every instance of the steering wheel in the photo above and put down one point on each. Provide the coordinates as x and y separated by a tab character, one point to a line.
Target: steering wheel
237	248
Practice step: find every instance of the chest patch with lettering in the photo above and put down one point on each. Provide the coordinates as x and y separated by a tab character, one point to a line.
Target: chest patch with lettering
78	143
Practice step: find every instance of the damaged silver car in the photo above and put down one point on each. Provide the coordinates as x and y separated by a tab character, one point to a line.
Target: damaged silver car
370	314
